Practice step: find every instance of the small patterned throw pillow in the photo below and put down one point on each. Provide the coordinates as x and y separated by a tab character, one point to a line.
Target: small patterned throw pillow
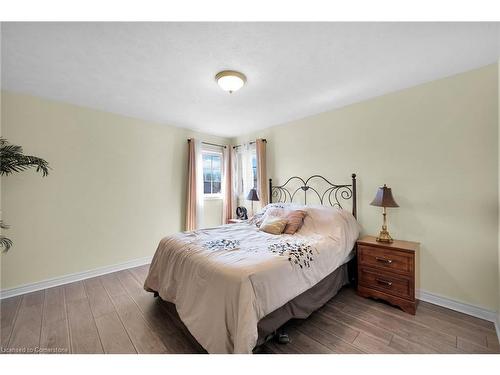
272	211
295	219
256	219
259	218
273	225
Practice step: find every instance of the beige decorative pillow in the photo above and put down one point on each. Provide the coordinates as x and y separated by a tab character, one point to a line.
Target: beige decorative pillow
273	225
295	219
272	211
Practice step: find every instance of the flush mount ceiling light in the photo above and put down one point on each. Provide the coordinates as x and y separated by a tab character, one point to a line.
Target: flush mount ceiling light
230	80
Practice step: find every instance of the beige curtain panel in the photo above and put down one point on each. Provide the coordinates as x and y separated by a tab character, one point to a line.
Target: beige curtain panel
191	219
229	202
262	187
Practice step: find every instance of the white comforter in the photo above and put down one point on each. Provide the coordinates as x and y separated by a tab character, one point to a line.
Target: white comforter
221	294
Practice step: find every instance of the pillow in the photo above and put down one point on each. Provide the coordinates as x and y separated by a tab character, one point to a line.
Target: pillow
273	209
294	219
320	220
256	219
273	225
269	211
281	205
276	212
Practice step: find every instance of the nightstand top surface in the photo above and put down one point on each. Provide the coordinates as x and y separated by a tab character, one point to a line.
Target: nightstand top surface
397	244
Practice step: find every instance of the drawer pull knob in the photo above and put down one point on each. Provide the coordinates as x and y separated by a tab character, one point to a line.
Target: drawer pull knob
384	282
384	260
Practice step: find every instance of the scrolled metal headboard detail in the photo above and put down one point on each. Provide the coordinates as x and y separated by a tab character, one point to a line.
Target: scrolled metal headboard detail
333	194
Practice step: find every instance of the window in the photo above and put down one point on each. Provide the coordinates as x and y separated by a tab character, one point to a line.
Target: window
254	170
245	173
212	172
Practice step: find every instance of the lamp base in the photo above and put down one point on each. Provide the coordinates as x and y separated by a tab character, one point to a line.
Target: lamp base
384	236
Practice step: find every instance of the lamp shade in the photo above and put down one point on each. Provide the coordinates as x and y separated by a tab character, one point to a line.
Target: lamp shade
384	198
252	195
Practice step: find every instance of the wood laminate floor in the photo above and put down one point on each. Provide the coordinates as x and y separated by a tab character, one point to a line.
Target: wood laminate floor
113	314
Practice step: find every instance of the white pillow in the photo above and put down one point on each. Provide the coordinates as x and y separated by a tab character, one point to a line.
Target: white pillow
331	222
319	220
286	206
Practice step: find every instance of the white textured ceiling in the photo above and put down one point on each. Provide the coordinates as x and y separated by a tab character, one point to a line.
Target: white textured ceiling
165	71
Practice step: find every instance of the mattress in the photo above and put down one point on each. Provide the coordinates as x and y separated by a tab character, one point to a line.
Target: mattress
225	280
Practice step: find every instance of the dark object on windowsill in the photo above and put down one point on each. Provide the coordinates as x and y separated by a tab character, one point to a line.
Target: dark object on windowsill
241	213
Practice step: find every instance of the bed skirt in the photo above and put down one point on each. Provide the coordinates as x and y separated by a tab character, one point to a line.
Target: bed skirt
304	304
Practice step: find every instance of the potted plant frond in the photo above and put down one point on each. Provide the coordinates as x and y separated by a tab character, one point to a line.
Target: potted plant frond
13	160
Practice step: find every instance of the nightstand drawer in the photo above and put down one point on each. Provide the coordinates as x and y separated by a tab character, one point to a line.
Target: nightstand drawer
386	282
390	260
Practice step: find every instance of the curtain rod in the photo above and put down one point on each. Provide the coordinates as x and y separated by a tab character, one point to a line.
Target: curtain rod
210	144
263	139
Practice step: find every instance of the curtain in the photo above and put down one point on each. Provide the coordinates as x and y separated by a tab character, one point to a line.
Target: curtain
229	197
237	173
191	188
247	154
200	199
262	183
194	196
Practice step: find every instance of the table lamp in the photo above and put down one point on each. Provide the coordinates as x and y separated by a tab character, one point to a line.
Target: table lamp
384	199
252	196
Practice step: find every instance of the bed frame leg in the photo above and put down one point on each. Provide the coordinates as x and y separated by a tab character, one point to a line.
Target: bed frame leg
282	336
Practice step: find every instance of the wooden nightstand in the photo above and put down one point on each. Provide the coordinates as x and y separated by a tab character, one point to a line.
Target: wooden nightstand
387	271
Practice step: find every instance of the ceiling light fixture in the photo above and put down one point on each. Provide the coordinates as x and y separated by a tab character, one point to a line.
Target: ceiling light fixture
230	80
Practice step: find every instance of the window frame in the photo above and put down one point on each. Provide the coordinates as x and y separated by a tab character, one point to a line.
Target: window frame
209	196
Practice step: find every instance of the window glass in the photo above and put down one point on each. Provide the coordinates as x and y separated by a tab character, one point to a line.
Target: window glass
212	173
254	170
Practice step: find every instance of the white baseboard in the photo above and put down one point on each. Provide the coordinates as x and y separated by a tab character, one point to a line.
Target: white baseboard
497	326
66	279
462	307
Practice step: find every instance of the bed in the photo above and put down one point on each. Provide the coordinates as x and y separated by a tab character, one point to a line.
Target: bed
234	285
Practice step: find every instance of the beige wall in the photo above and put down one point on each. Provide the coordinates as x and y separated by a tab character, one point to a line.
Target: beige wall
212	212
117	186
436	145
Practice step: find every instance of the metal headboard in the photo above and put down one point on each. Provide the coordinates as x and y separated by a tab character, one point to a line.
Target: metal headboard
334	194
